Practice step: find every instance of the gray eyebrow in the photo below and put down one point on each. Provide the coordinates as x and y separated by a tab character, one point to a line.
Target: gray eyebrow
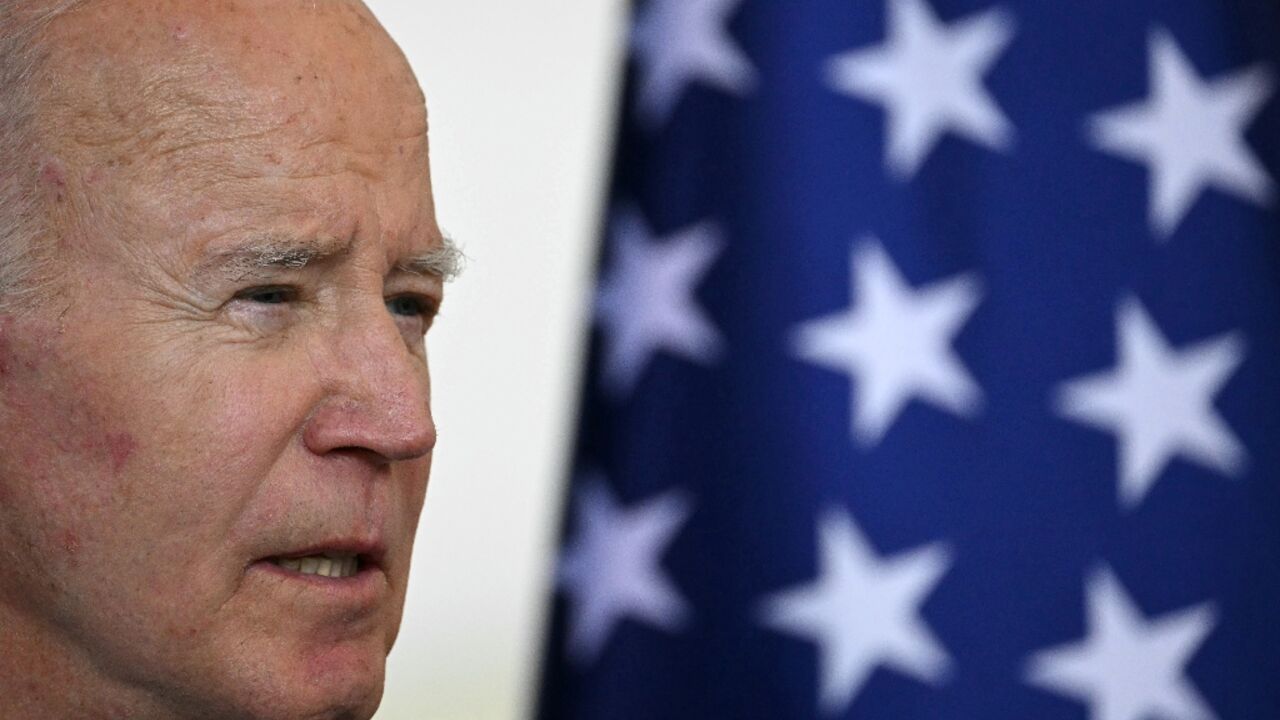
273	252
445	262
291	253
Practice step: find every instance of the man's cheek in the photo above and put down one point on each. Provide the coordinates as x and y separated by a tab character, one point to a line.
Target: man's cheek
46	394
68	459
68	440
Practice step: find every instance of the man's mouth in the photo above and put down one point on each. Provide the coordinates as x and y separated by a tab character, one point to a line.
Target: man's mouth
332	565
344	573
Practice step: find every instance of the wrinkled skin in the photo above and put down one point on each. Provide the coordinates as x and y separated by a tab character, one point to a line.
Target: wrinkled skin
166	422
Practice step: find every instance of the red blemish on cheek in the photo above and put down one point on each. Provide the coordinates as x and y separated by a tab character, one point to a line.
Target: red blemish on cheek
69	541
53	175
120	447
181	32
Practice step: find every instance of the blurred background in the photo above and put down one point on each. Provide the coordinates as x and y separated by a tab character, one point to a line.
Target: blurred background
521	98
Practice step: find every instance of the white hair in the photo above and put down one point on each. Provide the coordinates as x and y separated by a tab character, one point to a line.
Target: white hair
23	220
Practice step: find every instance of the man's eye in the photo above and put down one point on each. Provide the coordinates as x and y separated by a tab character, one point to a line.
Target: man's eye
409	305
267	296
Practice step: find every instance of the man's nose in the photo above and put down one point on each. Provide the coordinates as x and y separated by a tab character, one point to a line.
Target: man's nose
378	394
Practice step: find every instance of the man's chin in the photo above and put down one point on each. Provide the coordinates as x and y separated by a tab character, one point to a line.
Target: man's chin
341	681
344	680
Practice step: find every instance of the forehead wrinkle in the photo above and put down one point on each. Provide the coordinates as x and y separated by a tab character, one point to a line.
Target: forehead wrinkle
116	106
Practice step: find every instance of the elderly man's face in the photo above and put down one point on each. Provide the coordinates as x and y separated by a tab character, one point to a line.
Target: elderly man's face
230	374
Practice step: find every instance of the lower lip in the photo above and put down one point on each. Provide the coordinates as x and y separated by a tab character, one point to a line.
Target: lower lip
365	588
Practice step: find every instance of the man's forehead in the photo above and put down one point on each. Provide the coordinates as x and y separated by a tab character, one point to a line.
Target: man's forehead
222	121
169	72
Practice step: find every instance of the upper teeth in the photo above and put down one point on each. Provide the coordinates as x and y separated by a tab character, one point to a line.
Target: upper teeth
334	566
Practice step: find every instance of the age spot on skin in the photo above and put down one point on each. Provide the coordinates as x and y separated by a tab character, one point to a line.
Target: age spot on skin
53	175
54	178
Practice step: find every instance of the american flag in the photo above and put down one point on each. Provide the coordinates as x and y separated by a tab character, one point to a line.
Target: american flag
935	370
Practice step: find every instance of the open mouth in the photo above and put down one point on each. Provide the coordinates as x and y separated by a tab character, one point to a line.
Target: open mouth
331	565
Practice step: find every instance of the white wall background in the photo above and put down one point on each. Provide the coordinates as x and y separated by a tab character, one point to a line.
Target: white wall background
521	98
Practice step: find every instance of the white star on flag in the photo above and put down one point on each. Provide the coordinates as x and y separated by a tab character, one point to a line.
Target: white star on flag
895	343
863	612
1190	134
679	41
1128	667
611	570
928	76
646	302
1159	402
